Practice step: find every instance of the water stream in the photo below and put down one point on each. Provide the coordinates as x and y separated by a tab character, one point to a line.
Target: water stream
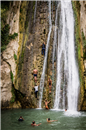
67	84
45	59
54	46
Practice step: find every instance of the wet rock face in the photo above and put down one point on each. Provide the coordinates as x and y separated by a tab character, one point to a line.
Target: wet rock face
32	54
32	57
84	98
83	29
6	84
8	55
83	17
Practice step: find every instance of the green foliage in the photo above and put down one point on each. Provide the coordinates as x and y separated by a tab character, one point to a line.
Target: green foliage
78	5
13	95
13	90
5	5
84	55
5	37
13	36
84	45
20	95
15	56
21	10
84	40
3	48
12	76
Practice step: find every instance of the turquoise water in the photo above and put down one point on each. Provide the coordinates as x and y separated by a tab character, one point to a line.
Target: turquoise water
66	120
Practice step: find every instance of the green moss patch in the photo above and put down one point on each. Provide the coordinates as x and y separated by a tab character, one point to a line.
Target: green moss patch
84	46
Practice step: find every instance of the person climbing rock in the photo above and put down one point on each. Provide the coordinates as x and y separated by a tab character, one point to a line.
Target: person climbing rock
46	104
48	120
36	90
50	85
34	124
20	118
35	74
43	48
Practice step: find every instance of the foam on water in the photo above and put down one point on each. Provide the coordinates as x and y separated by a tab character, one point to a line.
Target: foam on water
72	113
57	109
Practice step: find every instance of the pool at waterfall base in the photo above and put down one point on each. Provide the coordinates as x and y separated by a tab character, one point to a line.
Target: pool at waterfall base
68	120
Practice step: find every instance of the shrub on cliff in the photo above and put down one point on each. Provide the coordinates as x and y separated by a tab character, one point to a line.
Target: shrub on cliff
5	37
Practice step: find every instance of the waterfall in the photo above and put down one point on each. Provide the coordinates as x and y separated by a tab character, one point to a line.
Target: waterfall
67	83
54	46
45	59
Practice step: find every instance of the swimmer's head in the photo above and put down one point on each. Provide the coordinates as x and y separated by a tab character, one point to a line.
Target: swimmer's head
48	119
33	122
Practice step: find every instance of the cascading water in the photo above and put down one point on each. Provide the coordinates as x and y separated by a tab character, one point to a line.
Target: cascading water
45	59
67	84
54	46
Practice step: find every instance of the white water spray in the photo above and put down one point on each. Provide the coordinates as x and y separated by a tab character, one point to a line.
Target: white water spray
67	72
45	60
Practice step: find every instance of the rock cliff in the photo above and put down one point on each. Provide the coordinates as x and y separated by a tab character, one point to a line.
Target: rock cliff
83	32
31	21
8	63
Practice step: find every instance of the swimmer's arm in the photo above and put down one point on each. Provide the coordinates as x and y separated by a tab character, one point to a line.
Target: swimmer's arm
38	124
53	120
34	124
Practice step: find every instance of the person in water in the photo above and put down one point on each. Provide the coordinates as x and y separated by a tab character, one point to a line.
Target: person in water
35	74
65	109
34	124
48	120
46	104
20	118
36	90
43	48
50	85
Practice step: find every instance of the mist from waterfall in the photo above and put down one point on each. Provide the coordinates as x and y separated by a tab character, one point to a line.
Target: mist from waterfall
45	59
67	82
